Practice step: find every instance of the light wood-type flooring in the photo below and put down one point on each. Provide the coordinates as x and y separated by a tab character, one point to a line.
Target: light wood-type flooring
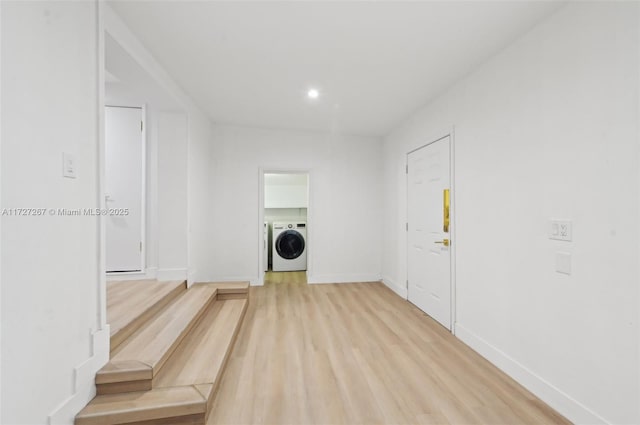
359	354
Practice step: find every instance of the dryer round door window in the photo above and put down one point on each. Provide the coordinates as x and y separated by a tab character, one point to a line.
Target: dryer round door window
290	244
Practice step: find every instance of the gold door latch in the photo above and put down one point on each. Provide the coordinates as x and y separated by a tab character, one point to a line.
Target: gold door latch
444	242
446	202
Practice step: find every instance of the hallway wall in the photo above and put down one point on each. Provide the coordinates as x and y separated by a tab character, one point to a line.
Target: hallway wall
52	341
344	205
546	129
182	248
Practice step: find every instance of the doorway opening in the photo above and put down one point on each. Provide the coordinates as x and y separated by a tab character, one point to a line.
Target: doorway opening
143	166
124	188
285	226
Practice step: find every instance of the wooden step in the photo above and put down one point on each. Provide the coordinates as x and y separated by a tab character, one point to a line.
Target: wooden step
131	303
175	405
134	363
203	354
229	290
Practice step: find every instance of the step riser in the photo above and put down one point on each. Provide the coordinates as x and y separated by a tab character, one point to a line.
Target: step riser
169	406
198	419
123	387
239	296
193	419
118	377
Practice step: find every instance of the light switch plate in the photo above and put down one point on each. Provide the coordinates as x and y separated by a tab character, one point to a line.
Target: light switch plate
563	262
561	230
68	165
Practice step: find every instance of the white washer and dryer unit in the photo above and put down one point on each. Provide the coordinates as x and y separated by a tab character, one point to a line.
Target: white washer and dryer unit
289	247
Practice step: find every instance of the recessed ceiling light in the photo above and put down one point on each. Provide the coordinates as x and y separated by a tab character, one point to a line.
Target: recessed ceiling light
313	94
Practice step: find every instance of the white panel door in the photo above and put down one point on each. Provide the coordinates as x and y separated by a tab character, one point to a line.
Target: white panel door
429	259
124	148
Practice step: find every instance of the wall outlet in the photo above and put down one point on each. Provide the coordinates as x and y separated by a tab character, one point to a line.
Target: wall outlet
560	230
68	165
563	262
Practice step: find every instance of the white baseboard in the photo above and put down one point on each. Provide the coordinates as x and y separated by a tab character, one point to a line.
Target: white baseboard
152	273
172	274
192	277
400	290
342	278
149	273
84	380
554	397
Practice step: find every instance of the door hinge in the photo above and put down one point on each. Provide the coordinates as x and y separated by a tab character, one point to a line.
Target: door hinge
406	226
141	124
406	169
140	246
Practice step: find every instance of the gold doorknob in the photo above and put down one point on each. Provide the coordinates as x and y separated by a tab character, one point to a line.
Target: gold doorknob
445	242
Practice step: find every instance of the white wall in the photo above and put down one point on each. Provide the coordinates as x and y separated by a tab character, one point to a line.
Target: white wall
166	182
344	204
50	314
1	132
172	195
136	86
182	254
547	128
151	194
199	202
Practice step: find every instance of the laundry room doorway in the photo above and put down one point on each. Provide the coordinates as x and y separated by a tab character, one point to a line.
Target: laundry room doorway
284	223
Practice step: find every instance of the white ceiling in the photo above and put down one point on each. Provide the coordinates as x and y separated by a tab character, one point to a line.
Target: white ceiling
128	84
375	63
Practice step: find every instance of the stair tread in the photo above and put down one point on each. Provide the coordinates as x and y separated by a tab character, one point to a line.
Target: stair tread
201	356
153	343
127	300
145	405
228	287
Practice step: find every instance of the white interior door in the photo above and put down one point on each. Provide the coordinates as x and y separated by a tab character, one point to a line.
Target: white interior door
124	149
429	259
